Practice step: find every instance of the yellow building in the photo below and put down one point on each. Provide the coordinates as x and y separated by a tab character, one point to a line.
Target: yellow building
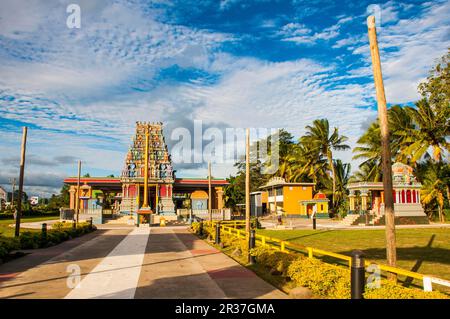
291	199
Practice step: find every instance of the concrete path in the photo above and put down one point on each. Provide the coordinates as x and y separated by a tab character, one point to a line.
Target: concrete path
116	276
127	262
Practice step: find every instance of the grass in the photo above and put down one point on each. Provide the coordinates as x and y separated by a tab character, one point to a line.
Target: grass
7	231
425	250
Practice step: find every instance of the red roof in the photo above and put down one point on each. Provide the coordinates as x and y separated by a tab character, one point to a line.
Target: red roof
93	180
320	196
111	180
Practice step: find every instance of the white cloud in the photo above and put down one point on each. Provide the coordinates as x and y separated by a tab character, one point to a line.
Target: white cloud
408	48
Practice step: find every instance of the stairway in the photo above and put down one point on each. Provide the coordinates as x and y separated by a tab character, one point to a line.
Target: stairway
121	220
375	221
350	220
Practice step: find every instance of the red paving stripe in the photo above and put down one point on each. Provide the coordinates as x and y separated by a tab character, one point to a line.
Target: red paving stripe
203	251
4	277
230	273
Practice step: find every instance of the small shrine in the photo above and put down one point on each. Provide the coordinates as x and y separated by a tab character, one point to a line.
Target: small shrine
368	197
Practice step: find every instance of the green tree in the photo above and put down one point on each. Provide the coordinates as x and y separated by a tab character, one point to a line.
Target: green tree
432	131
320	138
432	176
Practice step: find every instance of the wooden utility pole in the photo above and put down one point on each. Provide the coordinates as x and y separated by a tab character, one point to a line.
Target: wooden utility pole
22	170
209	192
13	181
247	182
391	252
77	205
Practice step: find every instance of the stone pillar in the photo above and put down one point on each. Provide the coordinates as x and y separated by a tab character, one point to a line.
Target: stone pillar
364	196
351	198
219	192
72	191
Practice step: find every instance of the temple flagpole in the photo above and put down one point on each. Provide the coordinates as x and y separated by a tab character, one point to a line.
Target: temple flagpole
145	204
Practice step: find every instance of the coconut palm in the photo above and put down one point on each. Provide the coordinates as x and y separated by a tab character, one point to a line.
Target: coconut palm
431	132
342	178
309	165
401	127
433	187
320	138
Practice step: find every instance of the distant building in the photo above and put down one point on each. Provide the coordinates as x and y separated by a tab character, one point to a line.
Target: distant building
3	197
34	200
288	199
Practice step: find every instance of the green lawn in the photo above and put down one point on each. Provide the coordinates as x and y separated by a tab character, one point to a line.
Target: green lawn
424	250
7	231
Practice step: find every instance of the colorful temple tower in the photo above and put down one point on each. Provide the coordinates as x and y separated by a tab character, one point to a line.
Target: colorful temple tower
148	176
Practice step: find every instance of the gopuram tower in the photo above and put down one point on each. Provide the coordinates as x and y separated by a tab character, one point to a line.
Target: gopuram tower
147	178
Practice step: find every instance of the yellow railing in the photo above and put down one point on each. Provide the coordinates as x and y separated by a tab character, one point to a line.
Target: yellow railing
293	248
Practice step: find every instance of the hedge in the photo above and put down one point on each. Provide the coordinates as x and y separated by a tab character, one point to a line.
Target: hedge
33	240
324	280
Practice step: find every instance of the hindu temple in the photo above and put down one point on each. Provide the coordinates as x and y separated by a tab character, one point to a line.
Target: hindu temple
368	197
147	188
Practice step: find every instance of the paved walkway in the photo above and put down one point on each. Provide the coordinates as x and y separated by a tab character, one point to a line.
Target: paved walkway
126	262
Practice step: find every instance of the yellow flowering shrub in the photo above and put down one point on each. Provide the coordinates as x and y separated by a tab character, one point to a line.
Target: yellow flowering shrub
273	259
390	290
323	279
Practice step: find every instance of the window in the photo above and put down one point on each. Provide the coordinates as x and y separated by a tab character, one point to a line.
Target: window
279	191
321	207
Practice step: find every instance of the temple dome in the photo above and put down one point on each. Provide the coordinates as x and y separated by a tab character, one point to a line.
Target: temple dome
320	195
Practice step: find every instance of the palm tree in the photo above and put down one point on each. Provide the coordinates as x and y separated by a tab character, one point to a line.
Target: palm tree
342	178
368	172
400	126
433	188
309	164
431	131
319	138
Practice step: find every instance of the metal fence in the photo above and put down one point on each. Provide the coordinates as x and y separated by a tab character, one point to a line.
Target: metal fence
292	248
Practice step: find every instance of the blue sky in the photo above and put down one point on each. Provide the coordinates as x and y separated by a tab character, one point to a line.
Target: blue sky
228	63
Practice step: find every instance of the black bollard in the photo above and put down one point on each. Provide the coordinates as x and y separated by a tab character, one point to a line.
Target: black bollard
90	222
74	225
357	275
217	233
201	229
44	231
251	244
314	222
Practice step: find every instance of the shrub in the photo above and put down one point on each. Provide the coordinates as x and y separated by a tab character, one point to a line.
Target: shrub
34	240
391	290
58	225
7	245
29	240
323	279
272	259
